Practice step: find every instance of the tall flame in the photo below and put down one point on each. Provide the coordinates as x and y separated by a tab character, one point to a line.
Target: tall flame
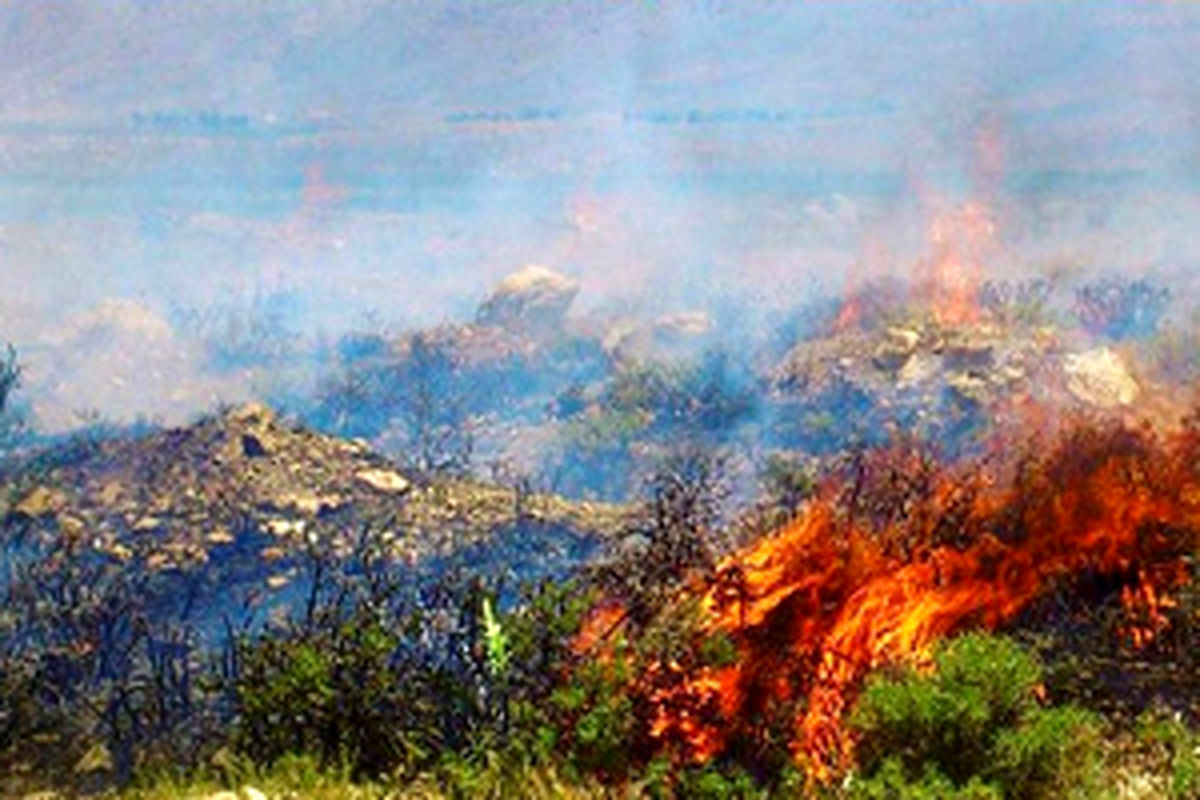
960	240
834	594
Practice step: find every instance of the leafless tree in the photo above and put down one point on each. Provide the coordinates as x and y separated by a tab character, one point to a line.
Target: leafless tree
429	398
10	377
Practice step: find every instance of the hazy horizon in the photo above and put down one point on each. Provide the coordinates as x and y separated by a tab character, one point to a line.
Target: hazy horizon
340	160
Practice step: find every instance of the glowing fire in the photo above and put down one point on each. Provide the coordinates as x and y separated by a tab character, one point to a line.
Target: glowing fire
947	279
836	593
955	270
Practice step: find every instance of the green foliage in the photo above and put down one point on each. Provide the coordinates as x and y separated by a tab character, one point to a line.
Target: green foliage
597	716
333	694
707	782
495	639
1173	742
973	722
788	480
709	394
893	781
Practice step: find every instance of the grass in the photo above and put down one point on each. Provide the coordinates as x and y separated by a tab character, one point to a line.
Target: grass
302	777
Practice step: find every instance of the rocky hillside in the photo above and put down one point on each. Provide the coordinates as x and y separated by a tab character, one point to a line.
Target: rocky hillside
248	483
953	382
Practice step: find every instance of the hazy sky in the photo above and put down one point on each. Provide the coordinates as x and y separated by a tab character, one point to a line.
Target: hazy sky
398	157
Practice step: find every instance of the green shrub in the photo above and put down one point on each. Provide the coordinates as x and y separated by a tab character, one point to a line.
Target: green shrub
974	725
336	694
893	782
595	712
1172	742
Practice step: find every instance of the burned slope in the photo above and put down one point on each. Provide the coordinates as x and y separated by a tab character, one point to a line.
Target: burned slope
238	501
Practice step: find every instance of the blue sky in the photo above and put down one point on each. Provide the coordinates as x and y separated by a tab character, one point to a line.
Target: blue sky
398	157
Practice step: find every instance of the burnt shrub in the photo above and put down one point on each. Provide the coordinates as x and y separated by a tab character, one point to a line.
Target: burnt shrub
1016	302
1120	309
97	654
13	423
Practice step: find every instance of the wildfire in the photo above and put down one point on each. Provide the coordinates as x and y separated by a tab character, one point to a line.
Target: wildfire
814	607
947	279
960	240
597	626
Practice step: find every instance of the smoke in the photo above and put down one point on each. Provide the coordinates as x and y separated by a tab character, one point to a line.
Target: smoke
391	162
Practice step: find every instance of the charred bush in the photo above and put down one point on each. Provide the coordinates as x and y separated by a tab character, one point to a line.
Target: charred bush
13	427
672	535
1121	309
10	377
88	659
1016	302
418	400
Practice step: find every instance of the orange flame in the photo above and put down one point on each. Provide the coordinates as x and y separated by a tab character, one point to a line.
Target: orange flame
597	627
955	270
834	594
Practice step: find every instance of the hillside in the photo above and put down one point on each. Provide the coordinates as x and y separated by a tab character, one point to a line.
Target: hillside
248	483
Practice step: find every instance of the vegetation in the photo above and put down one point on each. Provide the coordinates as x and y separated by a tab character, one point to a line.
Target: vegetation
1128	309
373	675
972	727
13	425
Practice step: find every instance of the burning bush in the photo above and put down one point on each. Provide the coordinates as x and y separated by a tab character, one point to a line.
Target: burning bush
901	550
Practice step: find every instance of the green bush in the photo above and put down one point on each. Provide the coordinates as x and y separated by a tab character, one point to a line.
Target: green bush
973	724
1172	742
337	694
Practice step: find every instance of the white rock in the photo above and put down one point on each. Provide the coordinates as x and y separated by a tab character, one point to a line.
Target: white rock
534	295
284	527
1100	378
384	480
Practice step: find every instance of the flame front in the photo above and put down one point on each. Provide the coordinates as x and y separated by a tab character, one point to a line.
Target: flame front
832	595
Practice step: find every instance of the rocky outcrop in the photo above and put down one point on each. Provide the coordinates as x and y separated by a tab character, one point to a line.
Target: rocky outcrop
944	381
535	298
674	335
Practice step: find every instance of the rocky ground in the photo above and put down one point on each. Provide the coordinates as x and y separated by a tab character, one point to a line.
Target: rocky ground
247	490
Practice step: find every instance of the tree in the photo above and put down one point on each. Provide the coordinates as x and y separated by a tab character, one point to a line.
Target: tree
427	393
10	377
12	421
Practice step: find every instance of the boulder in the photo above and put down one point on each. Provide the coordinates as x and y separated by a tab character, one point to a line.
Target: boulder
892	354
1100	378
40	502
384	480
534	297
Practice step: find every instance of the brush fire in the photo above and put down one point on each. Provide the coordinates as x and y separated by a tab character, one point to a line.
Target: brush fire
899	548
849	585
